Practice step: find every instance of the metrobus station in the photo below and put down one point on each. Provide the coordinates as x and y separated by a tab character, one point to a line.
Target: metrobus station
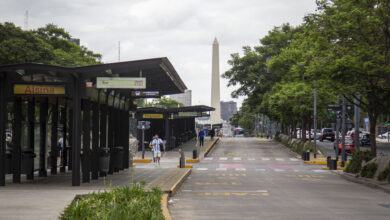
175	125
78	114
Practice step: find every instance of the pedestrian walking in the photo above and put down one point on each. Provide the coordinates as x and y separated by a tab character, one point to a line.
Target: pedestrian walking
201	137
212	134
156	143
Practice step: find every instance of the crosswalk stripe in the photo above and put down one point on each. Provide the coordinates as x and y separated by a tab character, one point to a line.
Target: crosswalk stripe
260	169
319	171
221	169
293	159
279	159
251	159
278	170
236	158
240	169
202	168
223	158
208	158
265	158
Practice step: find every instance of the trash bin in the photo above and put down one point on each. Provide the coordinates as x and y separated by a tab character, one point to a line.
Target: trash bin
328	159
307	156
117	156
333	165
194	154
104	160
27	162
8	163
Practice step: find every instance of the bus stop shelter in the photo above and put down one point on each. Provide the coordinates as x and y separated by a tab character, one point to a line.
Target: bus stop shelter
174	125
87	108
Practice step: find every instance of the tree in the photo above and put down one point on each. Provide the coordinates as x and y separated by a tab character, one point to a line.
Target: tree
163	102
48	45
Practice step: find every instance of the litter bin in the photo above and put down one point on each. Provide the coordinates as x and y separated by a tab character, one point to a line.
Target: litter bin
8	163
307	155
194	154
328	159
117	156
104	160
333	165
27	162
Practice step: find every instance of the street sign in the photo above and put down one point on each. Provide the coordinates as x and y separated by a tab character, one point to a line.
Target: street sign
34	89
144	125
120	82
366	121
145	94
153	116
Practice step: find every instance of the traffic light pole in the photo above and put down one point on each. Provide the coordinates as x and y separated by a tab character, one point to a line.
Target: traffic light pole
343	111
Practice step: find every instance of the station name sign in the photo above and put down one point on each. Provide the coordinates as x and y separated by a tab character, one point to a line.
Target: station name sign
153	116
30	89
189	114
120	82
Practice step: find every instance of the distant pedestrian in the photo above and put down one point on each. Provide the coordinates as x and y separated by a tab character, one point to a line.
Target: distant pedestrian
156	143
212	133
201	137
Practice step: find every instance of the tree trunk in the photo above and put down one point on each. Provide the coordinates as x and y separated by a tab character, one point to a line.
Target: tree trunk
373	117
303	130
294	127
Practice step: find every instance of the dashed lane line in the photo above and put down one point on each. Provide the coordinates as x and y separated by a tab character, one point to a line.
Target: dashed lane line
236	158
208	158
240	169
223	158
221	169
202	168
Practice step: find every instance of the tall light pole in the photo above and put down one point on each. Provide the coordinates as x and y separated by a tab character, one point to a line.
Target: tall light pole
357	124
315	120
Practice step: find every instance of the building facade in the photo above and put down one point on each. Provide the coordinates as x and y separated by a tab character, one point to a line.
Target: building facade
228	109
185	98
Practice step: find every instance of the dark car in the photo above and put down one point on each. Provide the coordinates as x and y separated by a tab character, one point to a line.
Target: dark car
327	134
365	140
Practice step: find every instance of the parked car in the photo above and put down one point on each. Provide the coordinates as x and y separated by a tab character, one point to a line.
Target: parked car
349	145
384	135
365	141
327	134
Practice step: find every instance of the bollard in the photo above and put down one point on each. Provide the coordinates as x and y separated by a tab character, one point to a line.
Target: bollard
328	159
333	165
182	160
303	156
194	154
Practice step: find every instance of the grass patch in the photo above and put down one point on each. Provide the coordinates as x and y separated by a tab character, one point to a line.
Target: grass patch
369	170
385	174
131	202
355	165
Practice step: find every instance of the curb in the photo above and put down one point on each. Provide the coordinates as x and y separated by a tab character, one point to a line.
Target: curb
210	148
185	166
363	181
192	160
164	206
177	185
142	160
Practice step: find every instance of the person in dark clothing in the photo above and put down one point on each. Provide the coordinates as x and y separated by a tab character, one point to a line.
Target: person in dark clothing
212	133
201	137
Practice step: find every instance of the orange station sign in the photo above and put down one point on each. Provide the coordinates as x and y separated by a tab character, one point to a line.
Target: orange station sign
30	89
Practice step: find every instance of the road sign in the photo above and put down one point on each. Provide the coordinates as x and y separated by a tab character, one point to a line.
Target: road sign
37	89
144	125
366	121
145	94
120	82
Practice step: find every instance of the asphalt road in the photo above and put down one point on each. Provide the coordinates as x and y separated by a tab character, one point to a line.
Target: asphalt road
327	148
248	178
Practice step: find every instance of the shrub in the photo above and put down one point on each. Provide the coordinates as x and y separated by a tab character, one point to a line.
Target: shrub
358	157
385	174
369	170
119	203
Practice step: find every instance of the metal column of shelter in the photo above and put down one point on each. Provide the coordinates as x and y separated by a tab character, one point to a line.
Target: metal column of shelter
64	121
86	159
103	128
31	129
71	135
168	135
43	109
95	139
3	121
76	131
54	138
16	140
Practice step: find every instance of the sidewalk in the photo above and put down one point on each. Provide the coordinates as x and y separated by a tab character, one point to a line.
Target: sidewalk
46	198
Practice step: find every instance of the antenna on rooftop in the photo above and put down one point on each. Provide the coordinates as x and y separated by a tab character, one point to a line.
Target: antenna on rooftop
26	20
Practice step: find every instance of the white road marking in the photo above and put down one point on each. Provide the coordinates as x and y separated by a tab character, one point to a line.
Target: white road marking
279	159
221	169
187	190
293	159
264	158
296	171
240	169
279	170
260	169
319	171
236	158
208	158
251	159
202	168
223	158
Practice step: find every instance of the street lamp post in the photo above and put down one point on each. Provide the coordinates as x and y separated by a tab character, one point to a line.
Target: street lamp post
315	120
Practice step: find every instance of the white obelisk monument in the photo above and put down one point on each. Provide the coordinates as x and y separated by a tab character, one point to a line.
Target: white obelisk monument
215	116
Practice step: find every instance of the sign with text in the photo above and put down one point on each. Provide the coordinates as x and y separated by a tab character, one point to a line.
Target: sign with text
188	114
145	93
30	89
120	83
153	116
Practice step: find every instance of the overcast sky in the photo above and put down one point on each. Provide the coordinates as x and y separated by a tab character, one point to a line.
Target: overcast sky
182	30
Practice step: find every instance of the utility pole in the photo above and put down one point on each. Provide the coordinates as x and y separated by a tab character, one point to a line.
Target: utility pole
315	120
343	111
357	123
336	147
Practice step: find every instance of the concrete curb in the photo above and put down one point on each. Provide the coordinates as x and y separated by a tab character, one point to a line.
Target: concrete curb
211	147
164	206
364	181
177	185
142	160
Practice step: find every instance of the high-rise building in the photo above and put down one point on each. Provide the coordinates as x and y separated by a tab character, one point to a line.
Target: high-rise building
215	116
228	109
185	98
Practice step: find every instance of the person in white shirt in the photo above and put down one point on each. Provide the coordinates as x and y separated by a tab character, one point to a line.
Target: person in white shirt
156	148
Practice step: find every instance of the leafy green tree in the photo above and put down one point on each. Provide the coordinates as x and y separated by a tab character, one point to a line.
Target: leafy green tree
48	45
163	102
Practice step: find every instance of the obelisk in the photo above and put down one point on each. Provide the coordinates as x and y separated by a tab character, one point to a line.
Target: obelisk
215	116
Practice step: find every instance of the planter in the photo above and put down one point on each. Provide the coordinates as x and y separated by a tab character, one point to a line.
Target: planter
28	162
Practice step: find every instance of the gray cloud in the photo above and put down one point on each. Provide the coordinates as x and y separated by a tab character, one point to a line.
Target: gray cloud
182	30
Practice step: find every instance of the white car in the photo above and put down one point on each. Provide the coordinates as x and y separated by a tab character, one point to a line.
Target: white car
384	135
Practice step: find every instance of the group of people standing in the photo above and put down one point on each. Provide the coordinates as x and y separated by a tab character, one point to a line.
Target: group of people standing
203	132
